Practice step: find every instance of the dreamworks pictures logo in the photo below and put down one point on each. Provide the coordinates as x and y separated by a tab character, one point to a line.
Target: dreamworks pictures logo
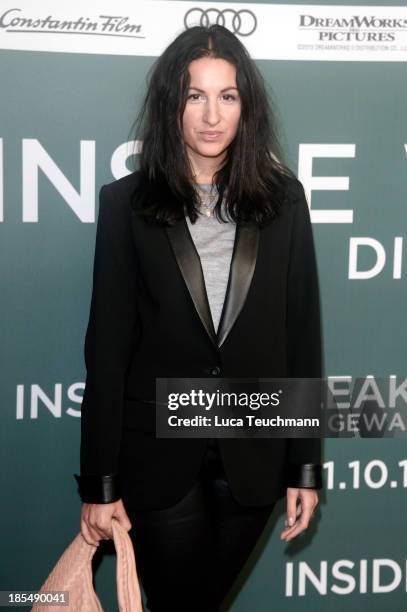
356	29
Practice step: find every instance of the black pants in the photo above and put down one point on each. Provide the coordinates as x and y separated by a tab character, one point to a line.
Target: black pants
189	555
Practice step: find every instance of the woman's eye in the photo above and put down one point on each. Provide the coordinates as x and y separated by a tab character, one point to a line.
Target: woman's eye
226	97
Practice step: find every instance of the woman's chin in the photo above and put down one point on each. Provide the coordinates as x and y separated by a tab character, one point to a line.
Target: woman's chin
210	149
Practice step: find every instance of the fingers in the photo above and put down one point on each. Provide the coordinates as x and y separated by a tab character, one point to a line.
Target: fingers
300	525
122	517
103	527
96	522
292	496
297	514
304	512
89	536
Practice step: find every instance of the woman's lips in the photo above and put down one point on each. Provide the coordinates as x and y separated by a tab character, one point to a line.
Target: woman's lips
210	136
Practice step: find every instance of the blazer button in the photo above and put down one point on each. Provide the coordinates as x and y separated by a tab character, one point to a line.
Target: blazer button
215	371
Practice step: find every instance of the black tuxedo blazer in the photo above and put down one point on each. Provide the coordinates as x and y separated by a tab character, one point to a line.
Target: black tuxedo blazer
150	317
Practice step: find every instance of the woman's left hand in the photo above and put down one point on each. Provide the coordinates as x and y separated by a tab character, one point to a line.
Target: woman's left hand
298	517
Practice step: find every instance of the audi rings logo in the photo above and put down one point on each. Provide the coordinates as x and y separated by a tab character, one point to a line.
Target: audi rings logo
242	22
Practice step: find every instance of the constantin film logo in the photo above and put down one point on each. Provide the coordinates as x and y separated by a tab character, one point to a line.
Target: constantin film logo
354	29
14	21
243	22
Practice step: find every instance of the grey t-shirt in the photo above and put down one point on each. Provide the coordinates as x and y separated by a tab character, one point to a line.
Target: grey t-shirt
214	242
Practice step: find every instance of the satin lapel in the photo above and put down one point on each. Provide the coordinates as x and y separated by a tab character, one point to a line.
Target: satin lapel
190	265
241	271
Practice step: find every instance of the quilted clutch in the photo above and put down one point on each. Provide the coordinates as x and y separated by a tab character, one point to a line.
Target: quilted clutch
73	573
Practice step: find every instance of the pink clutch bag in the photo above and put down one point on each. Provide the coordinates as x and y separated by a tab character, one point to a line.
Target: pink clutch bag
73	573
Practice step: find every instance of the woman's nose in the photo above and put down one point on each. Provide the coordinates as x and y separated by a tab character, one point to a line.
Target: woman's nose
211	112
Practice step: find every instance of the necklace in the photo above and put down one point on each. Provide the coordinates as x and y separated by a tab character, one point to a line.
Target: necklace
207	198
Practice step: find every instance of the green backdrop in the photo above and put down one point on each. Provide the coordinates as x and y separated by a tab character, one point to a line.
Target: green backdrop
65	117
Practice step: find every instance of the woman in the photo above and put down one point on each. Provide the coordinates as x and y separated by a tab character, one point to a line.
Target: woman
204	267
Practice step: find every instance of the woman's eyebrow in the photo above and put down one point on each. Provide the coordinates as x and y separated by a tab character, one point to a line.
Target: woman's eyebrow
222	90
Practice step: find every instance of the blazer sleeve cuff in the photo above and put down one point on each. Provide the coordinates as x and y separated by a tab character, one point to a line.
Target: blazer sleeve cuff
304	475
99	489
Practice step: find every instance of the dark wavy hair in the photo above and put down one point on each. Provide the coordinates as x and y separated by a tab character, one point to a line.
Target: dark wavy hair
252	176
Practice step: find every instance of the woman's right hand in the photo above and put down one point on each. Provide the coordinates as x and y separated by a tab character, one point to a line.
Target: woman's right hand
96	521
